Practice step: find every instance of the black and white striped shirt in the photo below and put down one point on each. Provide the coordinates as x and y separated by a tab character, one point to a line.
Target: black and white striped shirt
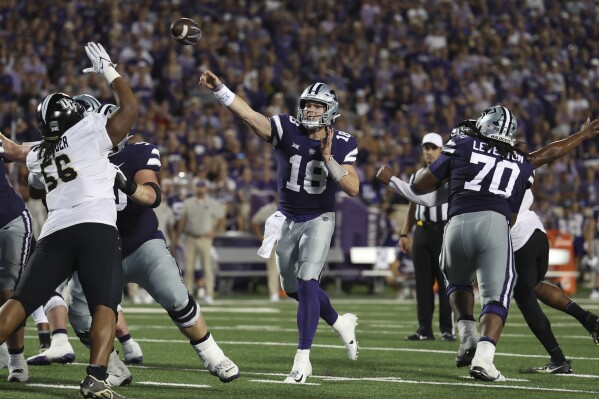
433	214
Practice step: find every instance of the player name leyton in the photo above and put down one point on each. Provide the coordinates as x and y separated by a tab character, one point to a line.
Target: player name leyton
482	147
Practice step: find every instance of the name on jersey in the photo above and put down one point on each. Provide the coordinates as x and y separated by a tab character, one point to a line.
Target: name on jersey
61	145
481	146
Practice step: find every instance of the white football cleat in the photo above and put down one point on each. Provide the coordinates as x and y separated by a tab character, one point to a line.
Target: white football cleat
482	363
3	356
118	373
133	353
485	372
17	369
60	351
225	370
301	370
345	327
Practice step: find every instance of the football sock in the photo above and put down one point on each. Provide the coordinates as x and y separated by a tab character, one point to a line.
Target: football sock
97	371
124	338
576	311
557	356
327	312
44	338
308	312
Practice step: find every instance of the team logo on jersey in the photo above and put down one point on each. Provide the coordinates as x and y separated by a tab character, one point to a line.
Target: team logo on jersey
296	146
312	151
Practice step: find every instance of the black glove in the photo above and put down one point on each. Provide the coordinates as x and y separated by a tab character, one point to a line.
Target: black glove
123	184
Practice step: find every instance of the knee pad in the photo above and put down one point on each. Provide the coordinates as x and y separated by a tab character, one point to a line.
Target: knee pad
186	315
495	308
39	316
454	287
53	302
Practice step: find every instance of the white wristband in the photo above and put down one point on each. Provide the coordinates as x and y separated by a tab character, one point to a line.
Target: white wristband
335	170
110	74
224	95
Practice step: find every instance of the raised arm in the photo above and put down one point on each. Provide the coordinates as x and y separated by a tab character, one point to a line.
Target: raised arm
13	151
259	123
560	148
123	118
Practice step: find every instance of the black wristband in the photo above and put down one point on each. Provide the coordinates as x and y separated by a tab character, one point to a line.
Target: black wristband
131	187
403	236
158	192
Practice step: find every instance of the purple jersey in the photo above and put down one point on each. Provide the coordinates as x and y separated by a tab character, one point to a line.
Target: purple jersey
480	179
136	223
12	204
305	189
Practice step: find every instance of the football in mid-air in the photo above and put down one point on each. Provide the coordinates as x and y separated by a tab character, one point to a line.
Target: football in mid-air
186	31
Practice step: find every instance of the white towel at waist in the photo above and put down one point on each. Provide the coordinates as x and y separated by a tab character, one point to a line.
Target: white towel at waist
272	228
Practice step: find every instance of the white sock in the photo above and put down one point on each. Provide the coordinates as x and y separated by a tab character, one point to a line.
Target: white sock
301	355
485	351
209	352
60	339
467	331
17	361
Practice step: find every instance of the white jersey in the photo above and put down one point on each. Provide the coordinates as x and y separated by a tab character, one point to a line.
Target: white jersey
78	178
526	224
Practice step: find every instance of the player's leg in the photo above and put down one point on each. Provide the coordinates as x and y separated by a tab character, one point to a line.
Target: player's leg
37	284
101	276
532	261
496	275
153	268
457	265
15	237
81	321
43	328
60	350
131	349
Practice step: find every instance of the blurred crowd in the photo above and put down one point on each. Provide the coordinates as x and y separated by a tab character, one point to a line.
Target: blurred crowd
400	68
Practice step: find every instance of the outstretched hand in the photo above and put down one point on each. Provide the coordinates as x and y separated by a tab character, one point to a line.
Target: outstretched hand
590	129
209	79
384	174
99	58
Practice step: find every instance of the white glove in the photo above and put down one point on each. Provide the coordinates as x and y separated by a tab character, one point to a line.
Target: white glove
101	62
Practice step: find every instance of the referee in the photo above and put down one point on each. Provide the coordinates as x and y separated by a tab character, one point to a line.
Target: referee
425	250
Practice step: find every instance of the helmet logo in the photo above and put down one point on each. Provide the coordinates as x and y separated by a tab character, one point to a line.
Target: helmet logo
54	126
67	104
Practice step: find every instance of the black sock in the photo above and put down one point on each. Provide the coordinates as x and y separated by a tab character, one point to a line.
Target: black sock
199	341
576	311
16	351
124	338
557	356
97	371
59	331
45	340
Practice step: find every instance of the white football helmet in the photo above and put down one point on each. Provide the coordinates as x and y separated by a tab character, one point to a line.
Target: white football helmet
321	93
498	123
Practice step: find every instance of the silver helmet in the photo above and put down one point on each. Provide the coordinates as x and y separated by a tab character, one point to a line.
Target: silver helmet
320	93
498	123
89	102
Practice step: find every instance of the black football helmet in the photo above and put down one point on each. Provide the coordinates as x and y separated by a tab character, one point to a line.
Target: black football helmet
56	114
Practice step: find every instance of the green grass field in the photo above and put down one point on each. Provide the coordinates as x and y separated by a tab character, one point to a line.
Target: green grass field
261	338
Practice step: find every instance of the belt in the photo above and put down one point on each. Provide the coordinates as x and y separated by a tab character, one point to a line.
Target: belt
436	227
422	223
